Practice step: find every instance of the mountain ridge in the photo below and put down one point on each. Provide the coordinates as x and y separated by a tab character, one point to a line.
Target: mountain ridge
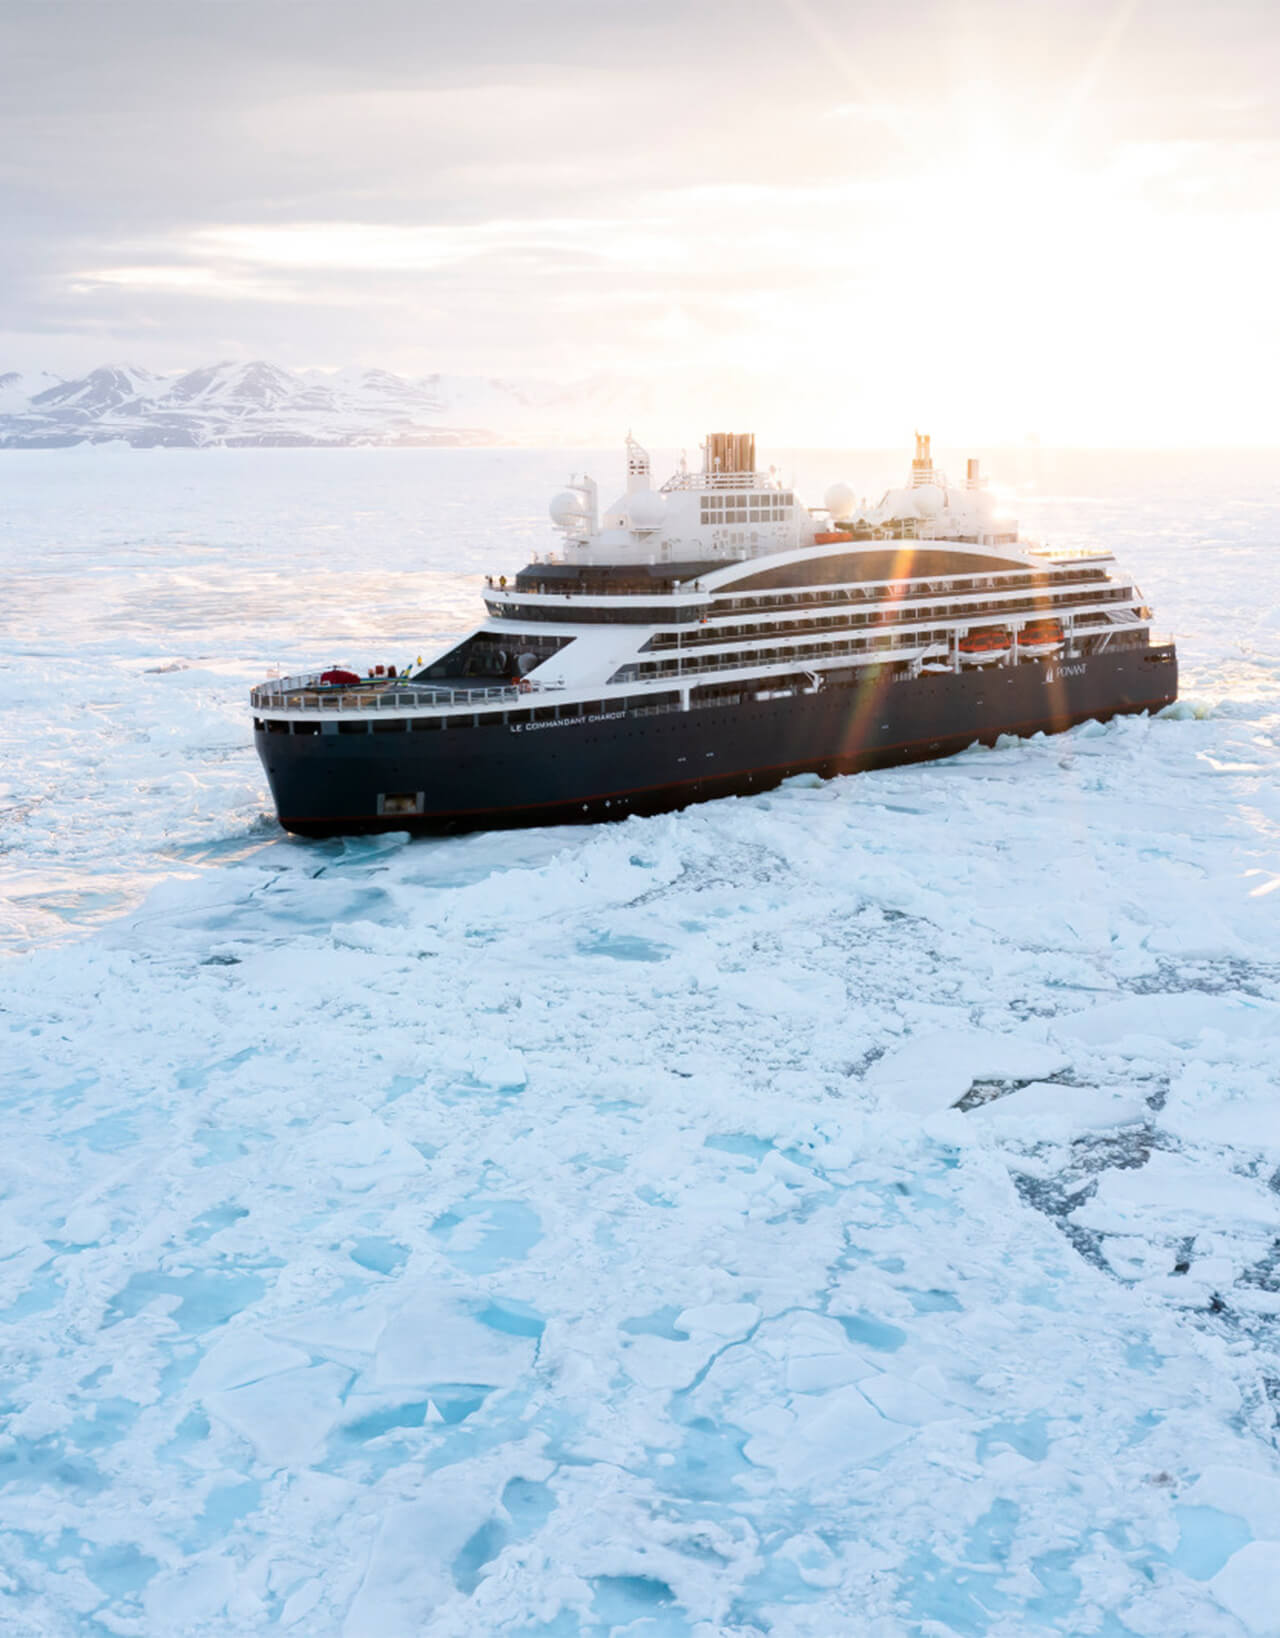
257	403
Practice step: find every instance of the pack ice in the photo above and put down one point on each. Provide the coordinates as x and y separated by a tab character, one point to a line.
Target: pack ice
855	1209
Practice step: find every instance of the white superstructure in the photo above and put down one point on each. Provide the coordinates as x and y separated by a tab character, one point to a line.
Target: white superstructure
720	584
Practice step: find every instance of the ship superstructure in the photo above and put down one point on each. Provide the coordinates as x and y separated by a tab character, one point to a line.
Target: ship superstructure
714	636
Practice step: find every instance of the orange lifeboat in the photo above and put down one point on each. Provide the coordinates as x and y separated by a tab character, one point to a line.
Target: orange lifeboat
984	647
1040	637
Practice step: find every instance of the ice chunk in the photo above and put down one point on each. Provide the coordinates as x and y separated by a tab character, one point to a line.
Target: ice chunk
904	1401
287	1417
361	1154
1247	1586
1173	1193
1045	1110
348	1332
825	1438
659	1362
1127	1027
408	1573
719	1319
239	1357
813	1351
1254	1496
180	1600
931	1072
433	1337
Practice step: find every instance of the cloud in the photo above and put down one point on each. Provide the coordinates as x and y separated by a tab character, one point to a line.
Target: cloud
801	188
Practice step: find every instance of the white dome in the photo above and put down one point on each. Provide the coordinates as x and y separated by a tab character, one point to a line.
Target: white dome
568	508
839	500
929	499
896	504
646	509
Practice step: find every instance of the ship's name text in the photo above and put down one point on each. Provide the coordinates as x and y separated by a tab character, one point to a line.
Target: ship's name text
1065	671
563	722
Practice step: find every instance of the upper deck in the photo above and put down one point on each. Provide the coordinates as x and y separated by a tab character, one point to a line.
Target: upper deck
307	692
820	574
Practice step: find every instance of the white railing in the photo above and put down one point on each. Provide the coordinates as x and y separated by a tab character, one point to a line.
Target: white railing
308	693
1070	554
723	480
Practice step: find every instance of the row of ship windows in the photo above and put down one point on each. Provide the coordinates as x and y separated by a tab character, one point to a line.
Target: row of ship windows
657	704
884	590
624	611
652	614
745	514
640	705
722	501
682	663
879	617
644	705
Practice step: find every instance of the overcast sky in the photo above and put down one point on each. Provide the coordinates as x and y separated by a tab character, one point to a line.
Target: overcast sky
1057	218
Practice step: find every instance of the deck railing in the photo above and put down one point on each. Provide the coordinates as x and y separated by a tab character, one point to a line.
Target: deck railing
308	693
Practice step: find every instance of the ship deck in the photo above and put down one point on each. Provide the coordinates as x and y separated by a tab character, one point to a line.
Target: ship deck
308	693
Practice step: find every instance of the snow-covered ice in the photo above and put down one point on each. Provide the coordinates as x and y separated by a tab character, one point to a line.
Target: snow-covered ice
855	1209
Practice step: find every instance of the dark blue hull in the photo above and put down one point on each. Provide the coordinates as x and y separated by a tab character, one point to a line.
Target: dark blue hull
576	769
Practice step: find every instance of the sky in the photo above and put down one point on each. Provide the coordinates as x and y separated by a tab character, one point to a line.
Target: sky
832	221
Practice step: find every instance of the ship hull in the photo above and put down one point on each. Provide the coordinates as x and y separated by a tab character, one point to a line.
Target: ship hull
583	769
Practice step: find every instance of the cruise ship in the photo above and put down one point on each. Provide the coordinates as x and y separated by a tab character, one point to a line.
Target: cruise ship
712	637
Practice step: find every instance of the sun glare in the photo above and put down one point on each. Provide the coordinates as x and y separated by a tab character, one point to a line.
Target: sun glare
993	251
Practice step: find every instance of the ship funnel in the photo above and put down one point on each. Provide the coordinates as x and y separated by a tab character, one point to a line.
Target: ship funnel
922	467
729	452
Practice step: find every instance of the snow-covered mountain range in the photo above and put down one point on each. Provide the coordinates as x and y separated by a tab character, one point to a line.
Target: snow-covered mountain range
232	404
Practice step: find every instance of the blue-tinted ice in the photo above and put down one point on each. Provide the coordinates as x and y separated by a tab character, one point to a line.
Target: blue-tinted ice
532	1233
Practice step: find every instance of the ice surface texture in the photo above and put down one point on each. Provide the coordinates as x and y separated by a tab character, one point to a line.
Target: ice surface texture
383	1255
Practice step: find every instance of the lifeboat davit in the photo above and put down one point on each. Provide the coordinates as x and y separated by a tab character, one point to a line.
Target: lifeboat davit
984	647
1040	637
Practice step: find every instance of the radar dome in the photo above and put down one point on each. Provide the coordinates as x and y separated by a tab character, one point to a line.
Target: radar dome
568	508
929	500
645	510
839	500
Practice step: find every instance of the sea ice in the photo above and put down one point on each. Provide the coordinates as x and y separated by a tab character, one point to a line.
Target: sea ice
573	1232
1247	1584
935	1070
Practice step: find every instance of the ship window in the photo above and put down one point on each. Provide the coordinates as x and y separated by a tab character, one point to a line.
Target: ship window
306	727
396	725
361	727
419	724
544	713
275	726
258	724
487	717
